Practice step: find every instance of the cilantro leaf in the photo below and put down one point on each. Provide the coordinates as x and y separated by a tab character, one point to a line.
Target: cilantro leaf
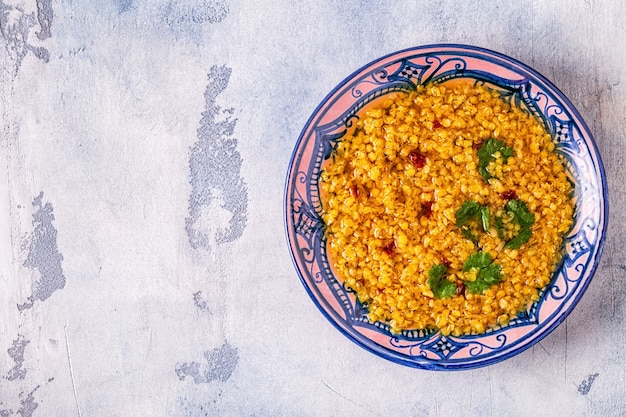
486	155
486	277
467	233
506	152
467	212
485	216
478	259
440	286
470	212
437	272
499	227
447	289
476	287
522	237
488	274
522	215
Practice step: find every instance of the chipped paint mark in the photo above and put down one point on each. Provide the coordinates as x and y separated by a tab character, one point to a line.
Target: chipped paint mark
28	404
212	11
16	352
44	17
190	19
16	25
222	362
200	302
43	254
585	386
199	409
24	401
218	202
220	365
124	5
191	369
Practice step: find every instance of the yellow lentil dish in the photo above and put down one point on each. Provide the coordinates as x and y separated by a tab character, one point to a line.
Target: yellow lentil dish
445	209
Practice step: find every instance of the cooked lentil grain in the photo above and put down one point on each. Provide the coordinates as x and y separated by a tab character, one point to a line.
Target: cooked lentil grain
393	187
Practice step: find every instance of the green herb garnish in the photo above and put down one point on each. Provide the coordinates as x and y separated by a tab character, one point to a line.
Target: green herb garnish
467	233
485	216
521	216
471	212
499	225
440	286
478	259
487	275
467	212
486	155
522	237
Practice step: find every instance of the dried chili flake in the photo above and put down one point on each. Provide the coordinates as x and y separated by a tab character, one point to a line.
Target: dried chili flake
460	288
437	124
444	261
390	248
427	208
417	158
509	195
354	191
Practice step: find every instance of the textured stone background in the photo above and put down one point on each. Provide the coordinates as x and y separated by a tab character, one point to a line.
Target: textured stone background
144	268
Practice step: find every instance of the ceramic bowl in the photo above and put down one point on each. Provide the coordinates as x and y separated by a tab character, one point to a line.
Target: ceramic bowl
404	71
